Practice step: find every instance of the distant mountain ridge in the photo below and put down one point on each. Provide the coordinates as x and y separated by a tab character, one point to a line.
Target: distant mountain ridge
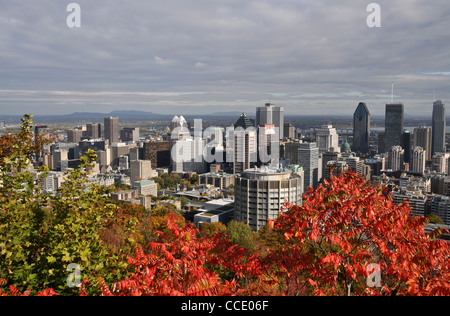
144	115
123	114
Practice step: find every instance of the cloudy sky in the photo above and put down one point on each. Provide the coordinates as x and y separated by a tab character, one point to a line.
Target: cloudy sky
205	56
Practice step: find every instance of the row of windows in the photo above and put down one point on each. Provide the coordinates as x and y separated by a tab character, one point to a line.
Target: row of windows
244	199
265	185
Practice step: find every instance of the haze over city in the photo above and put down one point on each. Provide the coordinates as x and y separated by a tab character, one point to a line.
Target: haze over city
190	57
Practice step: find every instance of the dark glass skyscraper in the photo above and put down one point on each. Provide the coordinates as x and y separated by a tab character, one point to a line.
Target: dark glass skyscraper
393	125
438	128
361	129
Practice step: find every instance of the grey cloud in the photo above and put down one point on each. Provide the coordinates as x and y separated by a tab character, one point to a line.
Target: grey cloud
305	55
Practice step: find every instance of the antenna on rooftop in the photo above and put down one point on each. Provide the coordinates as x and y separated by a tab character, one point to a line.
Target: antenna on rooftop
392	93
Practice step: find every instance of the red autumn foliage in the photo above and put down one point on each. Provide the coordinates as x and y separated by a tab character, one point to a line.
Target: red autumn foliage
324	247
182	262
15	292
347	224
328	245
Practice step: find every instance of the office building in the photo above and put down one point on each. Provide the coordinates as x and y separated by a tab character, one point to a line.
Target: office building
261	193
219	180
393	125
395	158
93	130
289	131
118	150
415	197
74	135
242	145
308	159
214	150
335	168
422	138
327	157
354	163
146	187
141	170
406	145
158	153
327	139
58	157
195	162
271	114
440	206
381	143
53	181
111	129
291	151
361	129
268	145
438	128
440	162
418	159
129	134
94	144
187	155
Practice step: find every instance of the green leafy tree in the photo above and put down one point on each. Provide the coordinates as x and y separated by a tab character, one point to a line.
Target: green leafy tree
241	234
41	235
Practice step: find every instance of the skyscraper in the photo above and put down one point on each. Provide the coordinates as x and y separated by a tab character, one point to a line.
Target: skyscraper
395	158
418	159
112	129
327	139
308	159
93	130
243	143
406	145
422	138
361	129
438	128
393	125
74	135
271	114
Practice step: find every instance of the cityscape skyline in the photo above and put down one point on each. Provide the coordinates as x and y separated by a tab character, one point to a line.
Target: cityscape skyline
201	57
227	147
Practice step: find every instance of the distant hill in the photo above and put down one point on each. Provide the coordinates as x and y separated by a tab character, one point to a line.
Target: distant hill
122	114
131	115
229	113
92	116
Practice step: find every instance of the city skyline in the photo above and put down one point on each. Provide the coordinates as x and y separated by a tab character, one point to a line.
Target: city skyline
204	57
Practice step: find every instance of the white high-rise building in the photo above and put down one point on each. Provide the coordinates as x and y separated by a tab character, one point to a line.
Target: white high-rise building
419	157
395	158
245	150
242	145
327	139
